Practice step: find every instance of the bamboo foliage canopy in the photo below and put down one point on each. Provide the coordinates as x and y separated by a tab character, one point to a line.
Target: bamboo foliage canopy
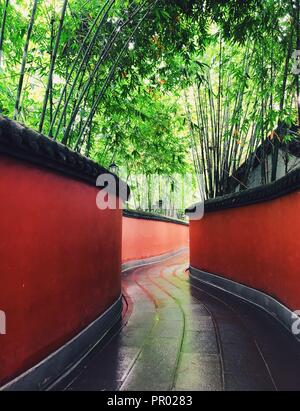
156	86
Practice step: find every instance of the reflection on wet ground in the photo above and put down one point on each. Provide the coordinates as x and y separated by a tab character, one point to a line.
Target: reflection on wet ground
176	336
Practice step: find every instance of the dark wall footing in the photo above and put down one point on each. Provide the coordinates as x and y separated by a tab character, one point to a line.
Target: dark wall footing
151	260
264	301
57	364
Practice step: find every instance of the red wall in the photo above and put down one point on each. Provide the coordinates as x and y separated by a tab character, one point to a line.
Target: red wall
148	238
256	245
60	260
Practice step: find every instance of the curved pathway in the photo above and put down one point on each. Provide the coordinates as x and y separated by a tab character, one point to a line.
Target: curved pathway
175	336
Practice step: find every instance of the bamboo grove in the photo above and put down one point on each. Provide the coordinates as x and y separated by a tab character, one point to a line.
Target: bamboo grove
244	95
157	87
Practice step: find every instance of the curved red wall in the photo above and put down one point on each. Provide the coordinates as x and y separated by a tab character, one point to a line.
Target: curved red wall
257	245
60	259
148	238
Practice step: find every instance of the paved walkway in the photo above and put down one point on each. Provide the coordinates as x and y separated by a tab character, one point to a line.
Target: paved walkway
175	336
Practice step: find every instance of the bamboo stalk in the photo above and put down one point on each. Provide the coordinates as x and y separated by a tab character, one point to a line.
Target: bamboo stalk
53	61
112	71
281	106
107	48
79	70
3	30
51	82
24	59
298	48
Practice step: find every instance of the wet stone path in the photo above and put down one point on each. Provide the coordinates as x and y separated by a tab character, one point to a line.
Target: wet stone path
175	336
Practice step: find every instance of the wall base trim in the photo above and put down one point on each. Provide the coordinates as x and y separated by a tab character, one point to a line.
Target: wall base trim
151	260
60	362
263	301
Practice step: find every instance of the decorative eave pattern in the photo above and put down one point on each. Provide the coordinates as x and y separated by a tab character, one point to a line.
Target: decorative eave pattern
151	216
25	144
279	188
